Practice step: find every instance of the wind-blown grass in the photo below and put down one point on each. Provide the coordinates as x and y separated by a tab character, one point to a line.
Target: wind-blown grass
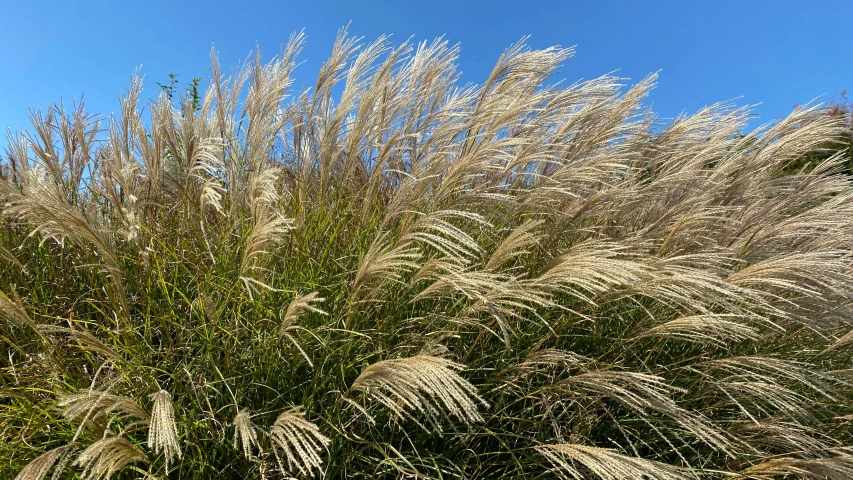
416	279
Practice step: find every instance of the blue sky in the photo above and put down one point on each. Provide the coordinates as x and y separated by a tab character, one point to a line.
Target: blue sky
776	53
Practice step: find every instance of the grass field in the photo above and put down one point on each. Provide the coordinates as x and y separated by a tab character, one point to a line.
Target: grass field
412	278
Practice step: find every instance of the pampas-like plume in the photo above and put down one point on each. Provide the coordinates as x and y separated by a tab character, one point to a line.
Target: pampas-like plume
268	230
774	371
499	295
163	433
245	435
515	244
85	339
297	306
106	457
710	329
551	358
43	203
592	268
93	404
573	461
781	436
14	312
436	230
647	394
383	262
827	468
421	384
38	468
300	440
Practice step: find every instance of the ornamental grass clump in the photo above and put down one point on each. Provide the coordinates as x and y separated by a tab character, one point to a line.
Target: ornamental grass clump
413	278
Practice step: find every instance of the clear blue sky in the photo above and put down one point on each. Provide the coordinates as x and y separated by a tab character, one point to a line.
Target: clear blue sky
775	52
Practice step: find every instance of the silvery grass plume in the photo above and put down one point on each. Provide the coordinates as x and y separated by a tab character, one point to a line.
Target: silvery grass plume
245	435
422	385
577	461
108	456
710	329
39	468
296	307
13	312
830	468
93	405
163	433
300	440
42	201
85	340
519	278
648	396
299	305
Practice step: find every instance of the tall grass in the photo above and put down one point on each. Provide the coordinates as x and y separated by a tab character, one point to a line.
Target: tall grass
415	279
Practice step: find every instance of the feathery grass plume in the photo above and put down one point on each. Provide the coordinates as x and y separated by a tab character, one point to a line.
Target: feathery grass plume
592	268
552	357
93	404
774	435
297	306
14	312
549	362
807	274
162	432
515	244
512	299
207	166
120	174
262	192
707	329
245	435
765	399
763	387
650	394
43	202
421	384
574	461
85	339
549	359
38	468
500	296
384	262
300	440
108	456
774	370
62	142
826	468
843	340
268	229
684	279
436	230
